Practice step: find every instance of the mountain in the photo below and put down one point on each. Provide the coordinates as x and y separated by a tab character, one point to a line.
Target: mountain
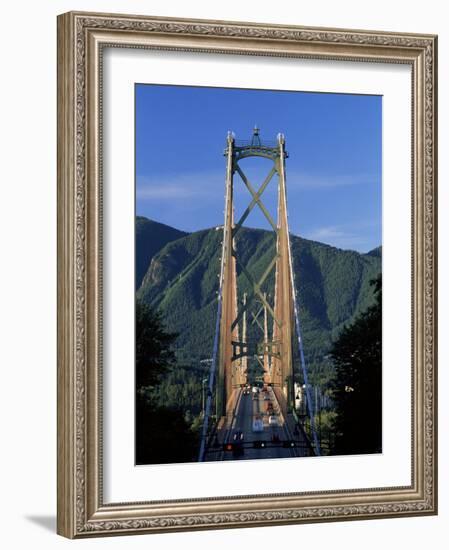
375	252
151	236
182	281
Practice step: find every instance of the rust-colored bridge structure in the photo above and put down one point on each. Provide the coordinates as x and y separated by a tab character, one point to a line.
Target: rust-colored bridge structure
257	330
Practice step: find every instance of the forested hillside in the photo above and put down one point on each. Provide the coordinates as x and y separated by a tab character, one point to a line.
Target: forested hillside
181	280
151	236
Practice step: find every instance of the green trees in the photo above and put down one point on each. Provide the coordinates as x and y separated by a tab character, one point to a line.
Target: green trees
182	280
154	356
162	433
357	356
333	289
151	236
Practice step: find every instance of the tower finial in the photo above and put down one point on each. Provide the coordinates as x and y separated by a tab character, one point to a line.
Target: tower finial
255	140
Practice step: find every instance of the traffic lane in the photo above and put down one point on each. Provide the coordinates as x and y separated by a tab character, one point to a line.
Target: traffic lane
241	420
250	436
251	406
261	408
272	430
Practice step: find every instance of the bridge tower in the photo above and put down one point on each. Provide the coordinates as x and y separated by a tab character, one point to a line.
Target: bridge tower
273	350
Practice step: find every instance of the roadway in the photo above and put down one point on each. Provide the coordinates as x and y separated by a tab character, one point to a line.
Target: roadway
247	409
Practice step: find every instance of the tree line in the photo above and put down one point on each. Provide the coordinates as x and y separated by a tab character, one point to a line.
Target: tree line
163	434
169	391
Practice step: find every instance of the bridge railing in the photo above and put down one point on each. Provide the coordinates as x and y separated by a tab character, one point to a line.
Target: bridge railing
298	425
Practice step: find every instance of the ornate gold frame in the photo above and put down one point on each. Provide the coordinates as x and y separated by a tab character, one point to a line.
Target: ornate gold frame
81	37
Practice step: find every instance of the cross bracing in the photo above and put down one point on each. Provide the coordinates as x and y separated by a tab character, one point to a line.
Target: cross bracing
258	326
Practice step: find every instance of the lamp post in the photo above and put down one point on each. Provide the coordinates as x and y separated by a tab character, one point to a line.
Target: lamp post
203	399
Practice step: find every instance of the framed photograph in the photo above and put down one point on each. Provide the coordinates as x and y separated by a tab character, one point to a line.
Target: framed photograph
246	274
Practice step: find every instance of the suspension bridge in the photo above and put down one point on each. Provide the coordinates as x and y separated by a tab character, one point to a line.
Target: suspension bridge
250	409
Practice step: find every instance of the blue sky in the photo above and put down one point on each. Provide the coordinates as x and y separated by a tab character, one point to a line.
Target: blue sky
333	171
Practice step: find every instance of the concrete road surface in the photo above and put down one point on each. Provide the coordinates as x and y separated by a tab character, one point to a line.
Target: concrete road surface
248	408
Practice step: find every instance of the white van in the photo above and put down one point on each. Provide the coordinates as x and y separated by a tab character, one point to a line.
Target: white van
273	420
257	425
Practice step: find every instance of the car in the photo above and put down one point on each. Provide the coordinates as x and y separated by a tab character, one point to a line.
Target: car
238	436
273	420
257	425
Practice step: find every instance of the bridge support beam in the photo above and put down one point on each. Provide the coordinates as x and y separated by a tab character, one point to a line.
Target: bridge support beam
237	347
283	306
273	353
227	375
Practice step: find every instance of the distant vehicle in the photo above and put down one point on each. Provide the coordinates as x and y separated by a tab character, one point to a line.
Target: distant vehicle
273	420
266	397
246	391
255	389
257	425
238	436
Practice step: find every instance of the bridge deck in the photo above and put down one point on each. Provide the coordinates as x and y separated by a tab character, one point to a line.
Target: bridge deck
248	408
